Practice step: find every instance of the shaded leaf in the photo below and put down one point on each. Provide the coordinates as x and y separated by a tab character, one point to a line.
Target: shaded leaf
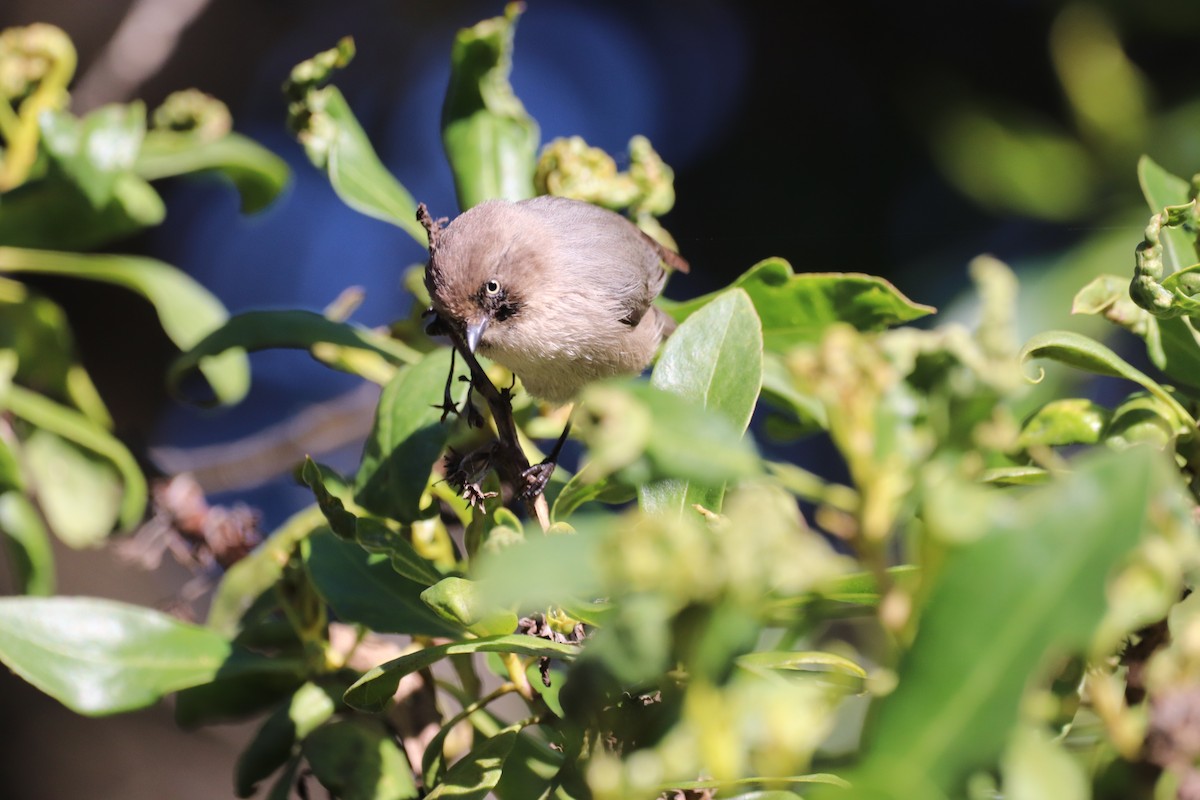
186	310
372	691
275	742
27	544
56	214
581	489
490	141
362	588
296	330
478	772
101	657
358	759
258	174
79	495
714	360
405	441
239	692
797	308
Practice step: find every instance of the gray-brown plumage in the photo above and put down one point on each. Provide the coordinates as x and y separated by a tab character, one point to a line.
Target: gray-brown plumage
558	291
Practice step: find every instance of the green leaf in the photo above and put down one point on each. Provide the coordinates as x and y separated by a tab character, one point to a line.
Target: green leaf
944	721
74	427
405	441
478	772
1072	420
54	213
581	489
1162	189
258	572
490	140
94	151
186	310
358	759
1085	353
714	359
27	544
245	687
362	588
297	330
375	537
372	691
458	600
79	495
796	309
275	742
101	657
800	661
258	174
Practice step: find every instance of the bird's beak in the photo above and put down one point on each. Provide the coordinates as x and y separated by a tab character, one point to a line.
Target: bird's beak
475	332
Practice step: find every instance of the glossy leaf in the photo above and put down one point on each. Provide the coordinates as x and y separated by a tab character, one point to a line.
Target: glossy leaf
96	150
490	141
258	174
74	427
714	360
1062	422
358	759
1162	189
296	330
797	308
356	173
362	588
186	310
1088	354
458	601
101	657
372	691
983	634
27	544
405	441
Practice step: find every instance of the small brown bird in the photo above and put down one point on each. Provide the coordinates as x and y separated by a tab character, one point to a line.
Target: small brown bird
558	291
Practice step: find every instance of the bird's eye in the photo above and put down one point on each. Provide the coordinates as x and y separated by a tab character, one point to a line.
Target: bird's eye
492	287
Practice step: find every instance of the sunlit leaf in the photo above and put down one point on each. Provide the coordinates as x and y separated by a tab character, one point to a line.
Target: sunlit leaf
945	719
258	174
490	141
478	772
1162	189
79	494
101	657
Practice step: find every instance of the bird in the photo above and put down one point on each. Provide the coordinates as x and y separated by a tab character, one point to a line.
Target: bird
558	291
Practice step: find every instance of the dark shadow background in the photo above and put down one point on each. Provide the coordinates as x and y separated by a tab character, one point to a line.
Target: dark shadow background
830	134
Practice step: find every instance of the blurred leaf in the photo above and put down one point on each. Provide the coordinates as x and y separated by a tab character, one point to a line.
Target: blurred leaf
945	720
56	214
548	570
478	772
1162	189
101	657
1144	419
27	544
1037	767
186	310
405	441
35	328
1061	422
581	489
779	390
94	151
358	759
275	742
490	140
1088	354
714	359
80	495
372	691
362	588
458	600
816	777
258	572
800	661
796	309
297	330
282	788
240	692
74	427
530	767
258	174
